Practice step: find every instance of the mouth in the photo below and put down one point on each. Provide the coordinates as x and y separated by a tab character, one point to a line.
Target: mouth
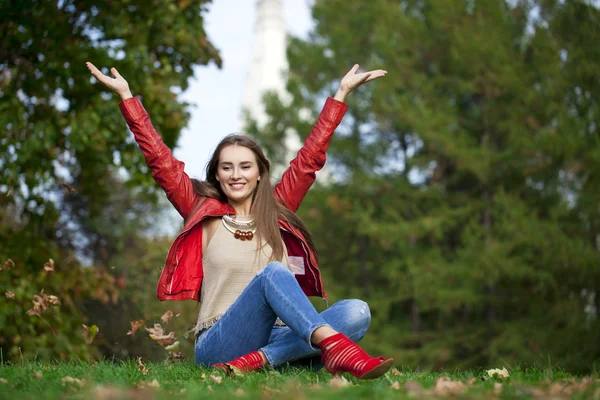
237	186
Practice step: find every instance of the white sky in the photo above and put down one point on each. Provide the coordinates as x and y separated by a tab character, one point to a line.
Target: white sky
217	93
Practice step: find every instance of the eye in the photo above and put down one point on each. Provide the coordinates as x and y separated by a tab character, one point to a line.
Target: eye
225	168
246	167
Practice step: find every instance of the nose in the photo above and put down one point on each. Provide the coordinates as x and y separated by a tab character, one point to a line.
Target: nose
236	174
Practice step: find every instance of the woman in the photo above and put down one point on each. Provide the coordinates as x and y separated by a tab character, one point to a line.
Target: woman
245	255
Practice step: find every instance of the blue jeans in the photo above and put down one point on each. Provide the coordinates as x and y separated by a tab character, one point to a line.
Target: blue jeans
248	324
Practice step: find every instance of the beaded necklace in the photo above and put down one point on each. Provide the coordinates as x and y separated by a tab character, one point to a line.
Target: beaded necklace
243	230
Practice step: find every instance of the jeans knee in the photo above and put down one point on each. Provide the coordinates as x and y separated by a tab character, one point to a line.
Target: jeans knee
273	267
359	313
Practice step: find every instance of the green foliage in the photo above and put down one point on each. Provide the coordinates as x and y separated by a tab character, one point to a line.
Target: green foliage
56	331
73	185
60	127
463	197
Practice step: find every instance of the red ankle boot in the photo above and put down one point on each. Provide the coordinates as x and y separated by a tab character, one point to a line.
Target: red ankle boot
341	354
247	363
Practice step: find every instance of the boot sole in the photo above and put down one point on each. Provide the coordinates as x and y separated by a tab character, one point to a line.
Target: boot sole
378	370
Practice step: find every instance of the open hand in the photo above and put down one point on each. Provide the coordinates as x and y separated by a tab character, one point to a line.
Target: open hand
118	83
352	80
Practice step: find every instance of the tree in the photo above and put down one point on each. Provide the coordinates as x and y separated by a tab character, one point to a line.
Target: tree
73	185
466	184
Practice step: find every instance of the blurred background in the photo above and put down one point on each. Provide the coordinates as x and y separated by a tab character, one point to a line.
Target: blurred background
461	197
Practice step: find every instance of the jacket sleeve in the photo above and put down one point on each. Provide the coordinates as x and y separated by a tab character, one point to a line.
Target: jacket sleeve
167	171
301	173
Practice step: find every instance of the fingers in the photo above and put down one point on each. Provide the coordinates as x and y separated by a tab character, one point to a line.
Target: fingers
97	73
376	74
115	73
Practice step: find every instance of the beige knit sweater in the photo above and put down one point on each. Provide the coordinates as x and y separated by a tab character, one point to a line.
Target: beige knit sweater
229	265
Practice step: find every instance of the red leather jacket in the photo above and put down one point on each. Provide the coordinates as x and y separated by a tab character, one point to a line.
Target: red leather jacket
182	274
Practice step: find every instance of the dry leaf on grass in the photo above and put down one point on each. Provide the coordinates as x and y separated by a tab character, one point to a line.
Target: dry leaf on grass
501	373
142	366
414	388
89	333
166	317
49	265
338	382
216	379
37	374
497	387
74	381
395	385
158	334
445	386
135	325
270	390
239	392
148	385
9	295
2	380
203	377
395	372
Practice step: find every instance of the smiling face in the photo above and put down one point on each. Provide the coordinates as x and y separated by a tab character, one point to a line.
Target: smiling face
238	174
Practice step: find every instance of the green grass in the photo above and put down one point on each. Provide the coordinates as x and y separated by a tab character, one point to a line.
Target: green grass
117	380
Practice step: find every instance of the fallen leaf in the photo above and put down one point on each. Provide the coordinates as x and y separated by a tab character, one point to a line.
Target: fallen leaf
216	379
471	381
89	333
395	372
502	373
148	385
414	388
69	188
175	357
135	325
396	385
40	303
37	374
10	295
166	317
203	377
444	386
157	334
177	315
75	381
239	392
8	264
173	347
270	390
209	388
2	380
142	366
338	382
49	265
497	387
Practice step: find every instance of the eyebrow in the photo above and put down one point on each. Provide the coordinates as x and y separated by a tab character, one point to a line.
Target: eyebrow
230	163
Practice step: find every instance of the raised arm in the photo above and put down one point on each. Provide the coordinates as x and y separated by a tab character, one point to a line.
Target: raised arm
301	174
167	171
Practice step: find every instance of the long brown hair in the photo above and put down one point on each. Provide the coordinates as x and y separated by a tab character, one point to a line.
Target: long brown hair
266	209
